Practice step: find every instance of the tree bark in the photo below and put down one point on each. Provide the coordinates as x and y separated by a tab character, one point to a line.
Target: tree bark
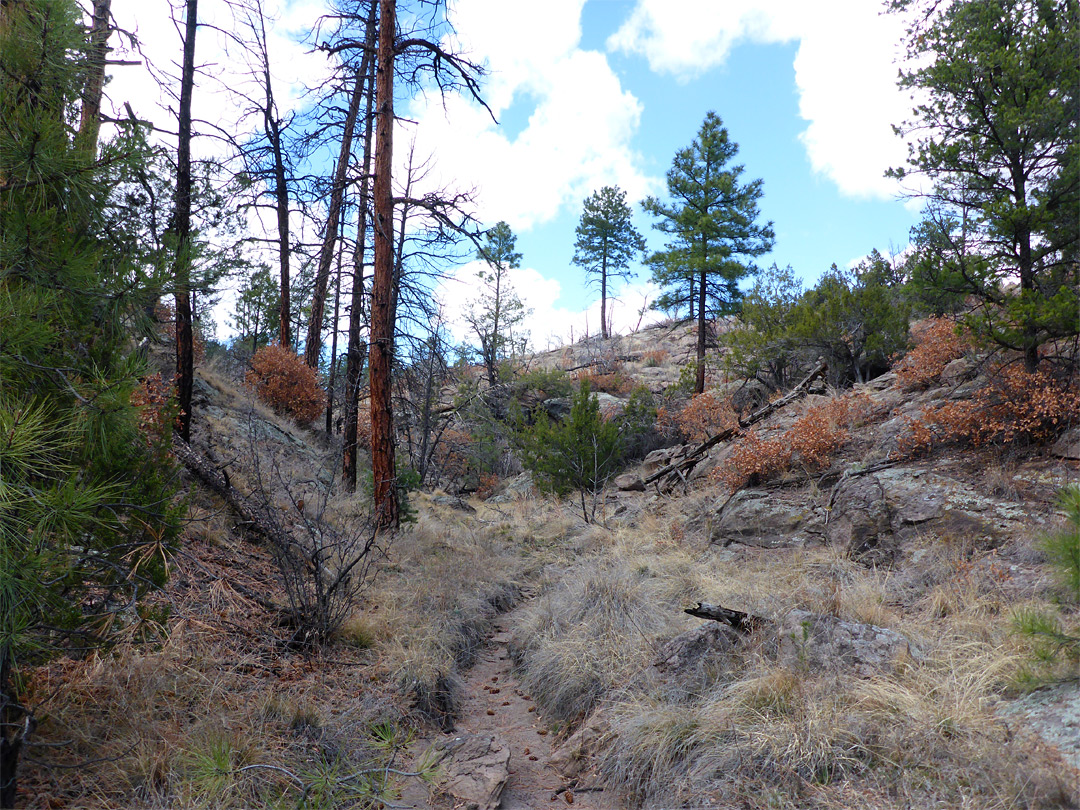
90	114
699	380
313	347
387	513
354	362
185	344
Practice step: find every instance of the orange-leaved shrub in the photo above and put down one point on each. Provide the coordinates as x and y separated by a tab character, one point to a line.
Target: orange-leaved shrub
703	416
937	343
1015	406
154	398
810	443
614	381
282	380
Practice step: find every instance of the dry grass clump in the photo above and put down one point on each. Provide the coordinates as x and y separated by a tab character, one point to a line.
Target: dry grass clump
447	580
214	711
927	736
589	634
938	341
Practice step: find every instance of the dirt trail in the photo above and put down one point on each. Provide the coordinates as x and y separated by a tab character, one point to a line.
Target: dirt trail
494	703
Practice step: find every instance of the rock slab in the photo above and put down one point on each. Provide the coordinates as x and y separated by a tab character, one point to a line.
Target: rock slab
818	641
475	770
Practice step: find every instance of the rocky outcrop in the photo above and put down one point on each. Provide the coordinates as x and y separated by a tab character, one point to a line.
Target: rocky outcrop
1068	445
475	769
571	759
767	520
816	641
873	515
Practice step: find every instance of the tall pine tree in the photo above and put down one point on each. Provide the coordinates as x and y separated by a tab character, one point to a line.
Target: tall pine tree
606	242
86	508
712	227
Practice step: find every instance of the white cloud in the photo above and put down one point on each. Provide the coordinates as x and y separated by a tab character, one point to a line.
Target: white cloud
577	137
845	71
222	72
549	325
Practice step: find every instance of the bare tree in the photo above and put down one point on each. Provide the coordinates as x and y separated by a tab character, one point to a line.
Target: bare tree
181	229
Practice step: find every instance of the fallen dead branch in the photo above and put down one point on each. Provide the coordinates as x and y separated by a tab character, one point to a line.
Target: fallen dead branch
687	462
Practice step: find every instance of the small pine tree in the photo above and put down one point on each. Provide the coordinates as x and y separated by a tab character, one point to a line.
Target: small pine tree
579	453
1052	640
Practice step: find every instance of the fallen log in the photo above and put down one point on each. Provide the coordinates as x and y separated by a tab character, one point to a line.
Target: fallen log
743	622
690	460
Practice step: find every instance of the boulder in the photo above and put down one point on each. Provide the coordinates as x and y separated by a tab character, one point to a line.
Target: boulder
873	514
658	459
761	518
958	371
453	502
475	769
517	488
630	482
817	641
691	650
1068	445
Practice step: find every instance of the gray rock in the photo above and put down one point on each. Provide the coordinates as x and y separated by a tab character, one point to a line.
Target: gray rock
557	408
816	641
453	502
475	770
861	521
658	459
760	518
630	482
517	488
572	758
958	371
702	646
873	514
1068	445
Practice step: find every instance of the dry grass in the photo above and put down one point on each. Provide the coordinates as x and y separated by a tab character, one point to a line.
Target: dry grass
762	735
173	719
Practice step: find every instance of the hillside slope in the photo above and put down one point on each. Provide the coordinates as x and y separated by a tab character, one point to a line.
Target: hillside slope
880	668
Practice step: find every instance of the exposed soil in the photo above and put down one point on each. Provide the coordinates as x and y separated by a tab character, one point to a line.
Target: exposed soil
494	703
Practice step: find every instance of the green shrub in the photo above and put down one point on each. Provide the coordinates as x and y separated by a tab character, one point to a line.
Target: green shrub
1054	642
581	452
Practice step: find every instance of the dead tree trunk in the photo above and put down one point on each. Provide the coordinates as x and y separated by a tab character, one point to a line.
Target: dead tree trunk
90	114
382	419
354	357
185	341
313	347
687	462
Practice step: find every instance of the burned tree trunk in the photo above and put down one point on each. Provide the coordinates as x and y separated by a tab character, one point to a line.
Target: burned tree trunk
382	420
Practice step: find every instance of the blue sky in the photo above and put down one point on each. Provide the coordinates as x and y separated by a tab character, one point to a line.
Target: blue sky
810	105
603	92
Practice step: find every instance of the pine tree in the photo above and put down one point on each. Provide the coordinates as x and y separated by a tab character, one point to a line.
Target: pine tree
998	137
86	510
580	453
606	242
712	225
498	311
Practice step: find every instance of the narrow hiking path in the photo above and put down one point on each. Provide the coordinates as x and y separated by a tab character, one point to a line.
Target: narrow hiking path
495	704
